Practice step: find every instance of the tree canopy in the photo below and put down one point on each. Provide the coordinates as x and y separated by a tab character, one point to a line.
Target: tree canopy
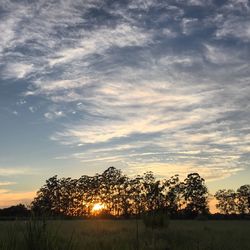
234	202
118	195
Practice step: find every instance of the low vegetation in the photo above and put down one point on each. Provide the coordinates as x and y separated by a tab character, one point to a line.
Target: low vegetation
122	235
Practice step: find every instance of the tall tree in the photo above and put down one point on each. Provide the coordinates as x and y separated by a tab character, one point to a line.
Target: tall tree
243	199
195	195
152	188
172	195
226	201
47	199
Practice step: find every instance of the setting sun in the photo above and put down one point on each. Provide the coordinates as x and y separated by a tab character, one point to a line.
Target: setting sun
97	207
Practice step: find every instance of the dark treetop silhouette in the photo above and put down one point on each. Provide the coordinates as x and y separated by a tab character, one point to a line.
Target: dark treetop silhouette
121	195
114	194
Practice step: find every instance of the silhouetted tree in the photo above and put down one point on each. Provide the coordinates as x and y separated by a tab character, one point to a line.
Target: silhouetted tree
124	206
137	195
47	200
109	189
121	196
195	195
153	198
226	201
68	196
85	194
243	199
172	195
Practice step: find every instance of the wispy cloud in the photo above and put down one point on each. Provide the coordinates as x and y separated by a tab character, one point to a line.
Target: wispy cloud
8	171
96	42
7	183
17	70
150	85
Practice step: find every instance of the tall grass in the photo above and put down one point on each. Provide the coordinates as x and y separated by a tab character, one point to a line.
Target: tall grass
10	240
36	235
121	235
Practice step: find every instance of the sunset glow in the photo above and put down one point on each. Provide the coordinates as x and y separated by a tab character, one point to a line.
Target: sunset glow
97	207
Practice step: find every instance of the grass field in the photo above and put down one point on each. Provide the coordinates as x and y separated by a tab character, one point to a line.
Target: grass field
122	234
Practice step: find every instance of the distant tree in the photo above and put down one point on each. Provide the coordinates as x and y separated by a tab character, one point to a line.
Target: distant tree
226	201
195	195
19	210
243	199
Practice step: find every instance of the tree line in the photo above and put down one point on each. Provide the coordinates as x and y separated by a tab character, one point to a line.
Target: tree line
234	202
19	210
121	196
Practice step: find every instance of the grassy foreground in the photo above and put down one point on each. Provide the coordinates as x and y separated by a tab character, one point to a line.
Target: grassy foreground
121	234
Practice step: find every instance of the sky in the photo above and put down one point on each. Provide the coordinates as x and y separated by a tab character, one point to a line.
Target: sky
141	85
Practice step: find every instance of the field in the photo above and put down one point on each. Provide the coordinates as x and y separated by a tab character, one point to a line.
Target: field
122	234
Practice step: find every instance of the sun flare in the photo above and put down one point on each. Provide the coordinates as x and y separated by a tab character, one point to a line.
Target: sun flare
97	207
